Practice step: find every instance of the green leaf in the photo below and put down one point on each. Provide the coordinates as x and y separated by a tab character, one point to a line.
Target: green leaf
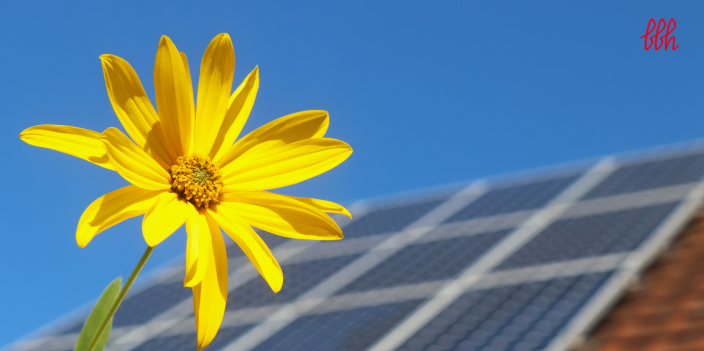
96	318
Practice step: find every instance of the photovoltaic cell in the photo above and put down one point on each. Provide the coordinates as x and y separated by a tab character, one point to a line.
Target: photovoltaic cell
520	317
588	236
426	262
349	330
650	175
513	199
298	278
187	342
389	220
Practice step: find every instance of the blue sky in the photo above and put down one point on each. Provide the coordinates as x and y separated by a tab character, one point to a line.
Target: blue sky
427	93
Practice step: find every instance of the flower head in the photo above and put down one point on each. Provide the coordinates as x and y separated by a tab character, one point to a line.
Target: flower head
186	165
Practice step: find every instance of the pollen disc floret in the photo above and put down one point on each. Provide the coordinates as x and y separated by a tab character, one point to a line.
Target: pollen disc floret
196	180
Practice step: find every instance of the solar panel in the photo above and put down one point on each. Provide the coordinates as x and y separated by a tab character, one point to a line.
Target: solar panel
183	342
520	263
353	329
298	278
587	236
389	220
513	198
651	174
417	263
517	317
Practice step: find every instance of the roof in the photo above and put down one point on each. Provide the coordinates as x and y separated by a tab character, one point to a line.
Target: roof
665	309
523	262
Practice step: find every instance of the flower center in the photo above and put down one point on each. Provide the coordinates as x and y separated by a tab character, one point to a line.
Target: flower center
196	180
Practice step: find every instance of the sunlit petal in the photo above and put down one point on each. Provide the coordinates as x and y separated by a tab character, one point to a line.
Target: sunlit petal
284	165
198	247
79	142
166	215
239	107
280	215
112	208
210	295
285	130
323	205
190	98
252	245
134	109
132	163
174	97
214	86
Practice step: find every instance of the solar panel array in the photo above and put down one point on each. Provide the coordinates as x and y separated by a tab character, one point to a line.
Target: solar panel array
524	263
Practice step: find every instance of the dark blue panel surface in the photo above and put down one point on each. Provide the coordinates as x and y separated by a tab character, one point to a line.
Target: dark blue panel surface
298	278
145	305
589	236
426	262
149	302
389	220
519	317
349	330
187	342
650	175
514	198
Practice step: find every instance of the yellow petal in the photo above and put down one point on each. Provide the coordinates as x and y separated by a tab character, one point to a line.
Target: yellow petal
174	97
239	107
190	98
198	247
112	208
285	130
284	165
132	163
166	215
280	215
252	245
210	295
79	142
134	109
214	85
323	205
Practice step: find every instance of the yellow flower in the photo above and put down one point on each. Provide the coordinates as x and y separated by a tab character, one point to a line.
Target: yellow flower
185	167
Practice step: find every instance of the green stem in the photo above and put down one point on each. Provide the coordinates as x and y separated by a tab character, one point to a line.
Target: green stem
121	296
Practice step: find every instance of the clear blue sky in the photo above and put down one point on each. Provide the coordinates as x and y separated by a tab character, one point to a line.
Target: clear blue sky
426	93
